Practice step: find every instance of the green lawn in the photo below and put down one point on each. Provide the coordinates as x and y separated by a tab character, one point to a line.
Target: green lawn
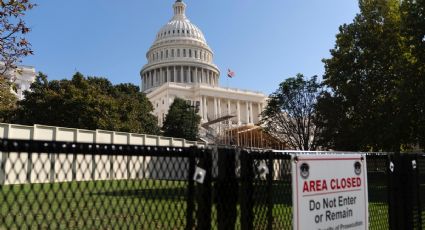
129	204
132	204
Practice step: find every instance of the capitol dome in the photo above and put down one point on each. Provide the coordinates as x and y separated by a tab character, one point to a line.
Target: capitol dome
179	54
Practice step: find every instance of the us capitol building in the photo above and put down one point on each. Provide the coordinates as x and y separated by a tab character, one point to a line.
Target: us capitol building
180	64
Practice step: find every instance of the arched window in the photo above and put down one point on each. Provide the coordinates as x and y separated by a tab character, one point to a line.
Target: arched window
178	52
166	54
184	52
196	54
190	53
172	53
162	54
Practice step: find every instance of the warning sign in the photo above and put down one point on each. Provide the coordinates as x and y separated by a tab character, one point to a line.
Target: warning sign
330	192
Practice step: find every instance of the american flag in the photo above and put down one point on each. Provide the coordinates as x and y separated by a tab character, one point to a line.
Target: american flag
230	73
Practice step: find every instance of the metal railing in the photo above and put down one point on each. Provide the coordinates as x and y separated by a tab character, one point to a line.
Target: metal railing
60	185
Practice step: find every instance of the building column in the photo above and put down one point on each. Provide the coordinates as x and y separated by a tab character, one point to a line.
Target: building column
238	112
154	77
205	109
215	108
201	107
196	75
160	77
251	113
174	74
181	74
247	112
216	79
149	79
229	110
219	107
143	82
168	74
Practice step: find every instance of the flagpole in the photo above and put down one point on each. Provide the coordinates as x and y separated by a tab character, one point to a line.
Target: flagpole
227	82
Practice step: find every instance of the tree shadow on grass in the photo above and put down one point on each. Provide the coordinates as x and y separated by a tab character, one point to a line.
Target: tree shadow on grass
173	194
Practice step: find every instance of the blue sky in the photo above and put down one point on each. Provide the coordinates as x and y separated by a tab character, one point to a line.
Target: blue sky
264	42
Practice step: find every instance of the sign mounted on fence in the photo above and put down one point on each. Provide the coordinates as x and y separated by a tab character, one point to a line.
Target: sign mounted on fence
330	191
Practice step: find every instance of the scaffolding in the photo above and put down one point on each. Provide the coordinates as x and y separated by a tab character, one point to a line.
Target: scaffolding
224	131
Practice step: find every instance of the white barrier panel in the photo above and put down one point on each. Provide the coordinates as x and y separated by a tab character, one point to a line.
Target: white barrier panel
84	167
40	171
16	168
52	133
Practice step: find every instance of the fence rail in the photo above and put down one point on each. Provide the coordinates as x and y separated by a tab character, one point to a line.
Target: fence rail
68	185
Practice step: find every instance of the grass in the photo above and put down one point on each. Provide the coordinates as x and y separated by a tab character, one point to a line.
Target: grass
134	204
131	204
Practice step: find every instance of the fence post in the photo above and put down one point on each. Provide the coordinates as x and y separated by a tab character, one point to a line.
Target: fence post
270	191
190	191
392	178
247	187
397	208
29	168
3	158
408	194
226	189
417	190
204	199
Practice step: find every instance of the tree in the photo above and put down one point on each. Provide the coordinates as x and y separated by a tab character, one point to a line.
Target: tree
290	112
87	103
182	121
7	101
371	101
13	46
413	30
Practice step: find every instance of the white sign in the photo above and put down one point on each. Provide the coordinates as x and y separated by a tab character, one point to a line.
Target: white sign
329	192
199	175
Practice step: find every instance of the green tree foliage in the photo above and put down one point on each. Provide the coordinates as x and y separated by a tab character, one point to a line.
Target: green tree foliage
7	101
290	113
87	103
413	31
13	46
371	101
182	121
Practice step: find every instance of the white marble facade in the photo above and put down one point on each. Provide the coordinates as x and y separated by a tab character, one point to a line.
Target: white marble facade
22	77
180	64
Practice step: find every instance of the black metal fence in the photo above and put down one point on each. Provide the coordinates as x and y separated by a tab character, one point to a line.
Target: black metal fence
58	185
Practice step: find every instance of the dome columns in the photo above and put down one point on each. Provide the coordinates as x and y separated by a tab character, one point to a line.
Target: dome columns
178	74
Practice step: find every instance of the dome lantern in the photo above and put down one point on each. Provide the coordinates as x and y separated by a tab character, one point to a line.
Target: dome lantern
179	10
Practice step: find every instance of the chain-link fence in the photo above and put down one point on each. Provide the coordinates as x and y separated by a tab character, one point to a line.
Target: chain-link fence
378	187
53	185
58	185
421	184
